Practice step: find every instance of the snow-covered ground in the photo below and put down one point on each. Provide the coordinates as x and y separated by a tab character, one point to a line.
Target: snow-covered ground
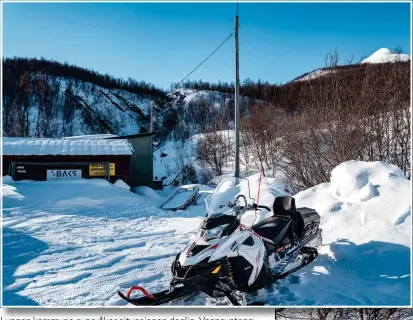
77	242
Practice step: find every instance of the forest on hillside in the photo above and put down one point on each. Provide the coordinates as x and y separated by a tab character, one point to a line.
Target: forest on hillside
309	127
15	68
44	98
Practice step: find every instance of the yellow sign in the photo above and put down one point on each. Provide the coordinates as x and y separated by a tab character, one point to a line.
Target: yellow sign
98	170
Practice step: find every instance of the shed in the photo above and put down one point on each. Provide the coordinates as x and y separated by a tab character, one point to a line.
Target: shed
50	159
141	165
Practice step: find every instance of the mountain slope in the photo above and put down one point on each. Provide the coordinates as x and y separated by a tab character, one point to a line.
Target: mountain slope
48	99
382	55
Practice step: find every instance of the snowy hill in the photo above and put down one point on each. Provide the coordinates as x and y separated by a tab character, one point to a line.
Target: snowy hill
57	100
77	242
118	111
314	75
171	157
384	55
217	100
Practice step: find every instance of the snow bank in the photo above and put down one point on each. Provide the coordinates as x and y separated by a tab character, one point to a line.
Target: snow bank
364	201
384	55
7	179
121	184
61	194
148	193
365	257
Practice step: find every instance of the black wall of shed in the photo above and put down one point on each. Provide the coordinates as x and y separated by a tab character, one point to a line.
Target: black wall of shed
38	172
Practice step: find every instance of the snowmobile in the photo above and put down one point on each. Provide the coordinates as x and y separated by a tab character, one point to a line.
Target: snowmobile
230	259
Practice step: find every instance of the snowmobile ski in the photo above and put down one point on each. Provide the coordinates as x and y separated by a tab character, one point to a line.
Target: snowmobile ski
311	254
303	249
156	299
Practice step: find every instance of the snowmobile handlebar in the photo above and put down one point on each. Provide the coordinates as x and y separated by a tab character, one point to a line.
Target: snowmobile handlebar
243	197
256	207
233	204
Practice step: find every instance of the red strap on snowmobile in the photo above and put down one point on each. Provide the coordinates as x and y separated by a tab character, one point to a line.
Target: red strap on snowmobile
146	293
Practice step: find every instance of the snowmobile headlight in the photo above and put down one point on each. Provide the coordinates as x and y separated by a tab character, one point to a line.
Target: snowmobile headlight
214	233
216	270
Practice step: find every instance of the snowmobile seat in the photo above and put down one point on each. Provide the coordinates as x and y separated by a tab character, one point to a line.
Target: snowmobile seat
284	206
273	228
276	227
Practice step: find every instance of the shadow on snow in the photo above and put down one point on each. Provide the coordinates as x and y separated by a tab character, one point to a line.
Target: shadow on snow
370	274
18	249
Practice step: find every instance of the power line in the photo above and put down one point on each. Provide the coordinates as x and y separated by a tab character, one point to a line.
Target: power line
205	59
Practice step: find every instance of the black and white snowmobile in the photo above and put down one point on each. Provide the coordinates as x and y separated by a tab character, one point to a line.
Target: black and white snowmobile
229	259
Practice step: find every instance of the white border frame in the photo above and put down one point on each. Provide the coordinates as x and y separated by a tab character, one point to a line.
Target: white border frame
197	307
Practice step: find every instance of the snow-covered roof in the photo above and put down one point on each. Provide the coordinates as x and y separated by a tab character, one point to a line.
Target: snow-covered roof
79	147
94	136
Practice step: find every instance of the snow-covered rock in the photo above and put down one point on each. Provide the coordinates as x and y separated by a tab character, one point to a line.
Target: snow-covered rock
384	55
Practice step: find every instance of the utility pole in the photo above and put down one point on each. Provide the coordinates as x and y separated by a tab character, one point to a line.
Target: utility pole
151	121
236	97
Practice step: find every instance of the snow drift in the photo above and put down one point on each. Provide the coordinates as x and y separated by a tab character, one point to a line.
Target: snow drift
366	220
365	200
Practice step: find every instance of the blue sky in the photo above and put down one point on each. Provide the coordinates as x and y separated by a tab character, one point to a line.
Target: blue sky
162	42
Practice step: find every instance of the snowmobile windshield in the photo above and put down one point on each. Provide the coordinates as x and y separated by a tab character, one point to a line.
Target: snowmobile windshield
229	193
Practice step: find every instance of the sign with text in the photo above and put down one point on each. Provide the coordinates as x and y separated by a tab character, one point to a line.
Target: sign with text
98	170
64	174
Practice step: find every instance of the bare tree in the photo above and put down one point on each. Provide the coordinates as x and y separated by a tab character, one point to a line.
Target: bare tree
212	150
398	49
